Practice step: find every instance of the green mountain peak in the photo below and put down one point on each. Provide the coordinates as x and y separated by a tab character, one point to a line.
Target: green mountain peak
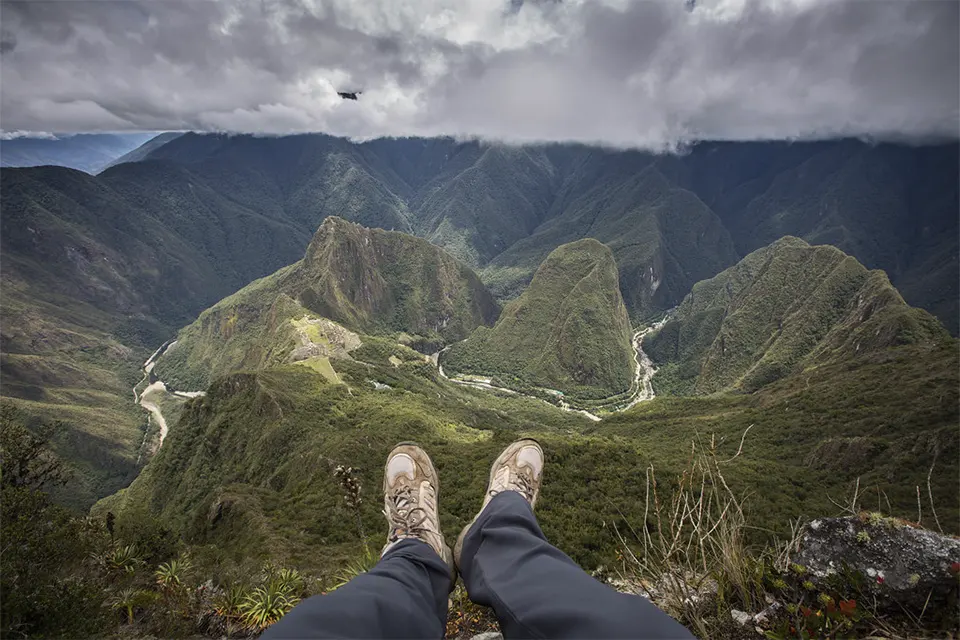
569	330
365	280
782	309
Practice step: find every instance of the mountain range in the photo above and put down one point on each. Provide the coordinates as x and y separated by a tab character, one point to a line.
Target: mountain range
99	271
783	309
364	280
835	379
90	152
671	220
222	329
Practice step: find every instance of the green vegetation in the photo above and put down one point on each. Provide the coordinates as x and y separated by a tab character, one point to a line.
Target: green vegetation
380	282
891	207
248	472
670	220
663	237
811	373
568	331
96	272
783	309
695	560
368	280
253	478
94	278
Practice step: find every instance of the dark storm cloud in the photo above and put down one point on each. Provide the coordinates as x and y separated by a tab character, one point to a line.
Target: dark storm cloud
621	72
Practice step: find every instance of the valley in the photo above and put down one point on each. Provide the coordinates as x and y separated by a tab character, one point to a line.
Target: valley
641	389
613	318
705	253
155	394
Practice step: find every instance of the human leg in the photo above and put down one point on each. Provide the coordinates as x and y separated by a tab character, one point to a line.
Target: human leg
405	594
535	589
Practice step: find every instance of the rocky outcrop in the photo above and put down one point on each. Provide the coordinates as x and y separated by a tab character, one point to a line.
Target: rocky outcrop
896	562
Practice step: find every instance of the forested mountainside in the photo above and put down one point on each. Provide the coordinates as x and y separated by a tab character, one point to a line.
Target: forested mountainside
90	152
671	220
96	273
99	271
252	460
371	281
248	474
783	309
249	478
144	149
567	332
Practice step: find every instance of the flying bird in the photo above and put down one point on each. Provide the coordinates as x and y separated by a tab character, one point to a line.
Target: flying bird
349	95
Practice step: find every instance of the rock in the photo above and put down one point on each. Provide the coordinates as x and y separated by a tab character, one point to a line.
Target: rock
489	635
900	563
768	615
741	617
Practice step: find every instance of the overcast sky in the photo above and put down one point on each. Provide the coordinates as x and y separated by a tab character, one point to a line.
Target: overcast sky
620	72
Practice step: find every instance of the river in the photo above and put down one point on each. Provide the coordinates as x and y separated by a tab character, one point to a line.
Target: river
155	391
641	389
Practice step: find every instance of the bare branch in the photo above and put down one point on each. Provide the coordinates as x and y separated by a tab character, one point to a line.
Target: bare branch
919	508
740	449
930	491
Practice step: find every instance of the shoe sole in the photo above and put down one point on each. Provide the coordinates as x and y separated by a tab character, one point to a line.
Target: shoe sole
447	554
506	453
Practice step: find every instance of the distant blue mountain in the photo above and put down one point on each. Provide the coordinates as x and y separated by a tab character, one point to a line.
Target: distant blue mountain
88	152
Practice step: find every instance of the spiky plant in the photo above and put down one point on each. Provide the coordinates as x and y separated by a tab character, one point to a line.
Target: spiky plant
290	579
130	599
228	603
120	559
267	604
173	574
355	567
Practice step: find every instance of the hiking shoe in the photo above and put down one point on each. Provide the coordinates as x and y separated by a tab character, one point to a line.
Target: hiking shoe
518	468
410	491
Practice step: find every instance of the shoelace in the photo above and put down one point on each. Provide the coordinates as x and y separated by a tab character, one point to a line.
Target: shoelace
406	521
523	486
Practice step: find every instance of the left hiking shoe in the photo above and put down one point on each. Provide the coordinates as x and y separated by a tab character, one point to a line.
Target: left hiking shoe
410	491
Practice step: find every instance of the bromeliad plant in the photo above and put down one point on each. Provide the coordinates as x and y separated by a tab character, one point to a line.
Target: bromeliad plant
120	560
258	609
267	604
228	605
173	575
131	599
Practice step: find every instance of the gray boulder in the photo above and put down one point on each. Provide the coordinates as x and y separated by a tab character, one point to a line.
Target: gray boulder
902	565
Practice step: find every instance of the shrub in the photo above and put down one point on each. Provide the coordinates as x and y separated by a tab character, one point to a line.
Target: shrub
267	604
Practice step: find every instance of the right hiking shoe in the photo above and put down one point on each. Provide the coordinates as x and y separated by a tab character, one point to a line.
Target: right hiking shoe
518	468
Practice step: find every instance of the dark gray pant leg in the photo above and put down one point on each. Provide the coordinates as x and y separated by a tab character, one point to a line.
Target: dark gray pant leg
538	592
403	596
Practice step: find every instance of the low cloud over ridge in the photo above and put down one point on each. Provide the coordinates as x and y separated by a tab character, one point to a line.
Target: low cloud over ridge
651	74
